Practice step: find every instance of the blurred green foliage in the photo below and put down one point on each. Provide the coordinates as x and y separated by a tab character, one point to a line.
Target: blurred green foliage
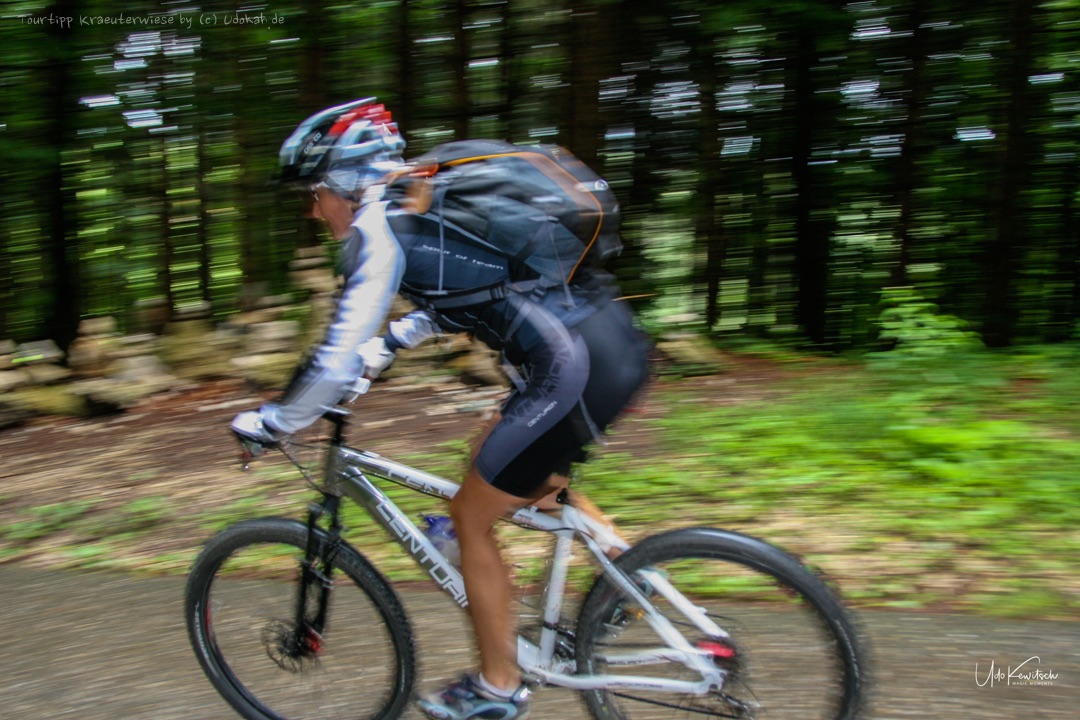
918	331
899	179
44	520
777	167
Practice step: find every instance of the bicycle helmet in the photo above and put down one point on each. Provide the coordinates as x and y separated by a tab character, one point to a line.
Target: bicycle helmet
347	147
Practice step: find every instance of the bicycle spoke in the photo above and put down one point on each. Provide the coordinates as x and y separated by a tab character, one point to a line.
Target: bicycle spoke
243	609
280	664
786	652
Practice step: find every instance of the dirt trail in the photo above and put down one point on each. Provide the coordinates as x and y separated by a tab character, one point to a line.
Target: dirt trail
112	647
170	461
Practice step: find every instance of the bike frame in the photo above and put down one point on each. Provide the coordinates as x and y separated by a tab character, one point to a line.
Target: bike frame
347	473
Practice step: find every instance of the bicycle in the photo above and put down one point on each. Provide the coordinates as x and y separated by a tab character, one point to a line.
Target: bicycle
725	625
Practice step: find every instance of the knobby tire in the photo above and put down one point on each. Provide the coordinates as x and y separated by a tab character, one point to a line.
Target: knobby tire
793	651
240	606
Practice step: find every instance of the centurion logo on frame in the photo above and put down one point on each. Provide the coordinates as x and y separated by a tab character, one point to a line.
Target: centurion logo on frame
1027	674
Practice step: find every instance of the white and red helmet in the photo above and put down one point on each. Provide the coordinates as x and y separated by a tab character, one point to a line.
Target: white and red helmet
346	147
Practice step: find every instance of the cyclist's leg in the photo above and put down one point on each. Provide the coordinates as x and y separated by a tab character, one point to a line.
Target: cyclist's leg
618	368
510	469
474	511
515	459
538	433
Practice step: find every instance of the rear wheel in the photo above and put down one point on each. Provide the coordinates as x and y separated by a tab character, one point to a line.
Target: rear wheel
790	649
241	606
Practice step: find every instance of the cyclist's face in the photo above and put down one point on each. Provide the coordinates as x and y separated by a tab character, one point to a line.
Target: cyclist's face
335	210
314	209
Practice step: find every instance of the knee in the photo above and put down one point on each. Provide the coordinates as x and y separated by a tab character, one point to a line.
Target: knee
477	506
458	510
465	513
469	525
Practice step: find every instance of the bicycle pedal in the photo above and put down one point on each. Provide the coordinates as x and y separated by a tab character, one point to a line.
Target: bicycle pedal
623	615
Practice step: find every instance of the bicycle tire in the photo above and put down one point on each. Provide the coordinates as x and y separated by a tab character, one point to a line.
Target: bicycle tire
793	651
241	593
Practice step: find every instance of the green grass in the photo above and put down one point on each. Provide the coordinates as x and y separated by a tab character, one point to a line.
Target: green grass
951	479
44	520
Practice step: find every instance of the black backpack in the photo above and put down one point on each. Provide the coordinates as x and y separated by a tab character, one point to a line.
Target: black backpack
540	207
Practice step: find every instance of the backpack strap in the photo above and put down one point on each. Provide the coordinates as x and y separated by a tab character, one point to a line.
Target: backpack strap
474	298
439	196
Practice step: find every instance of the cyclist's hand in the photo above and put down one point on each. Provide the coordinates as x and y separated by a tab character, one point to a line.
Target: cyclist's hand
376	356
253	434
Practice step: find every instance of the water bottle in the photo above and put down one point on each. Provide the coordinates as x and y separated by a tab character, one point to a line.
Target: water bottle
440	531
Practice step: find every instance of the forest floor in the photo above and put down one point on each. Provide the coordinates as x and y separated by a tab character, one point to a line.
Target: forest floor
89	491
141	491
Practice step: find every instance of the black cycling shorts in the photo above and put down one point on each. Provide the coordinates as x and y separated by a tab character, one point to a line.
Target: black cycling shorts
578	381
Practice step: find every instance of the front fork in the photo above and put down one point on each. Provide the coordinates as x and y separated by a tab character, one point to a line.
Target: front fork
317	568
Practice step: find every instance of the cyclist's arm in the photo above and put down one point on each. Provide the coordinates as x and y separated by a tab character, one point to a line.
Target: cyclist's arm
373	264
378	353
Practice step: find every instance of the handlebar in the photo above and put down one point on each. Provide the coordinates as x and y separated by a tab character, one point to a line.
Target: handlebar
249	450
337	415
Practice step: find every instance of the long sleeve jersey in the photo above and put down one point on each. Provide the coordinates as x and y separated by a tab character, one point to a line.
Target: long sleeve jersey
373	265
388	250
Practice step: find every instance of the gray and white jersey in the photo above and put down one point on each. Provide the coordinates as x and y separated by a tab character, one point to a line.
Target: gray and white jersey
392	250
373	265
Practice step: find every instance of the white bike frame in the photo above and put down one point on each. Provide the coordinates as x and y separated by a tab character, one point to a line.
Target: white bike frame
347	474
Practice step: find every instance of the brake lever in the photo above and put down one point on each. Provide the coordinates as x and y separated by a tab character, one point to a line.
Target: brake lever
249	450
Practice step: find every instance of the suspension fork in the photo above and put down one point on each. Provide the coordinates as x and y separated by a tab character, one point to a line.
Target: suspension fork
317	567
318	563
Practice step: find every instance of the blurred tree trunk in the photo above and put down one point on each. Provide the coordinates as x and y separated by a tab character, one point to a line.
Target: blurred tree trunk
165	259
404	109
313	96
637	45
312	58
513	84
591	60
812	228
1064	297
7	277
710	235
459	69
1003	251
202	195
760	290
60	217
914	145
250	260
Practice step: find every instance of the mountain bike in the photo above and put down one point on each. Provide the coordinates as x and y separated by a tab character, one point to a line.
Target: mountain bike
290	621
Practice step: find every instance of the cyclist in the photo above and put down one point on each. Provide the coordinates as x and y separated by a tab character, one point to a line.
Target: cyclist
579	356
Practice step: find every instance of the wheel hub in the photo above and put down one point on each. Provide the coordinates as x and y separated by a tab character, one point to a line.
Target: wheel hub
291	648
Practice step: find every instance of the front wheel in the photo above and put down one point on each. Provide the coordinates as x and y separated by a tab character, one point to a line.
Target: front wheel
241	606
786	647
